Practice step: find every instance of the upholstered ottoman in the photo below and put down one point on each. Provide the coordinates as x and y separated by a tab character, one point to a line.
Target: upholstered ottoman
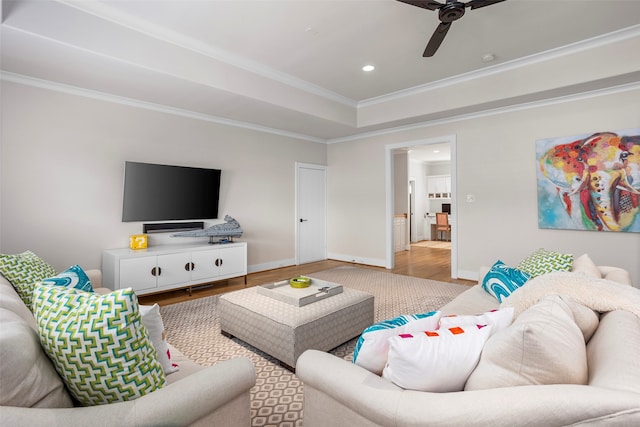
285	331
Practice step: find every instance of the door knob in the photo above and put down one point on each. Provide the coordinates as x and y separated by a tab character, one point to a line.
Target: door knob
303	220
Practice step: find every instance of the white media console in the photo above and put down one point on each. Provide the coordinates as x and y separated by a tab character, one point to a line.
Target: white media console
163	268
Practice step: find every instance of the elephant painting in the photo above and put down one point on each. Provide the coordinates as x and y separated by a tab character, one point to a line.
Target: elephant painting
590	182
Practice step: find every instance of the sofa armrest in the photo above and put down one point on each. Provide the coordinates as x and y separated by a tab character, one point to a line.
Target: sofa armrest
217	395
615	274
337	392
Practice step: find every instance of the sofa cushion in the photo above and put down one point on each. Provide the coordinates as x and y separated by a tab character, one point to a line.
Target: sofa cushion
97	343
27	377
73	277
372	347
543	261
23	271
501	280
435	361
152	320
542	346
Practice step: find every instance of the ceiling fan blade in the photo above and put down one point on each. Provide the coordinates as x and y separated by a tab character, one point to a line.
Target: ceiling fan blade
436	39
431	5
475	4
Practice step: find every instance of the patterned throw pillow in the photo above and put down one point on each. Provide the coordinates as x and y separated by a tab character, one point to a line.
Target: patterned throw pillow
23	271
502	280
435	361
372	346
97	343
74	277
497	319
543	261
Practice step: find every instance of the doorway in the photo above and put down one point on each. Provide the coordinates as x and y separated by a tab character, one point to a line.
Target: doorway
389	177
311	213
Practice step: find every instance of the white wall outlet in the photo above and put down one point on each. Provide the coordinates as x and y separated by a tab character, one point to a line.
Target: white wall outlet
471	198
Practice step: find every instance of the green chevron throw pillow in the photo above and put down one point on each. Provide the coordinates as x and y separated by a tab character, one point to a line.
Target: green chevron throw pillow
543	261
97	343
23	271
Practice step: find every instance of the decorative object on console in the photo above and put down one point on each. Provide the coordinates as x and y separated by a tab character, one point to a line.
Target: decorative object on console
590	182
226	231
138	241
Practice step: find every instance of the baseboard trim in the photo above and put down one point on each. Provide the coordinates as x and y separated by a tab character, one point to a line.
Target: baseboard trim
255	268
468	275
358	260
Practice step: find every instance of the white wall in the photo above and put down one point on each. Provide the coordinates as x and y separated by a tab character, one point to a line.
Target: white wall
62	169
496	163
63	158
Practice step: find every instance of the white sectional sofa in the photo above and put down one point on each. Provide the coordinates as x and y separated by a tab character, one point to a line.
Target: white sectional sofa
338	392
32	394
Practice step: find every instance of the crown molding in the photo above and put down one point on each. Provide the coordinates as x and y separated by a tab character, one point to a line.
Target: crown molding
102	96
494	111
613	37
73	90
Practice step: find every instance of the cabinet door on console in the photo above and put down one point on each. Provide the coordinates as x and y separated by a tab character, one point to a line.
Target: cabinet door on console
175	268
138	273
204	264
233	261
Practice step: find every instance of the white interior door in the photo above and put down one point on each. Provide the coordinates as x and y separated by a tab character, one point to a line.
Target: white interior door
311	213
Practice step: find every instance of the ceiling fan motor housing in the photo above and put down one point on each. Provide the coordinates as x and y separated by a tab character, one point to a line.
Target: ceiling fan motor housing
452	11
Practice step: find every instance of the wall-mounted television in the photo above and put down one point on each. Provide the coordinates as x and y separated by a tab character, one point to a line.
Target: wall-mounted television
167	193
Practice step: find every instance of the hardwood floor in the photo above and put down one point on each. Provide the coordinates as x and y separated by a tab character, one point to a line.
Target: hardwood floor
427	263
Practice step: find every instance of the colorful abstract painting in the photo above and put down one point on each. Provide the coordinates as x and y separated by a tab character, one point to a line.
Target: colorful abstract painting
590	182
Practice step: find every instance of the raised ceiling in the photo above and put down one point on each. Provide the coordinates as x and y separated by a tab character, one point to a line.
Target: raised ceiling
295	66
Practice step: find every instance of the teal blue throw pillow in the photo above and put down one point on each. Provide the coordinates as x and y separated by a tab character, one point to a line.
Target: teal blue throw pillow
502	280
73	277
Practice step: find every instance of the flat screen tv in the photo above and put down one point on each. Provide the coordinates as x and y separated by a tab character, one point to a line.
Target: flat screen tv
166	193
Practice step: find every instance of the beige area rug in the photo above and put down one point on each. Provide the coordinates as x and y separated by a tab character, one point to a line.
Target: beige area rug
433	244
276	399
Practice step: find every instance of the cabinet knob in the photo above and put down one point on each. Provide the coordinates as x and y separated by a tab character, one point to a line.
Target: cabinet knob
218	262
189	266
156	271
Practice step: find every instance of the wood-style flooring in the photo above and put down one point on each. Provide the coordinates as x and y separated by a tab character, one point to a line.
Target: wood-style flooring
427	263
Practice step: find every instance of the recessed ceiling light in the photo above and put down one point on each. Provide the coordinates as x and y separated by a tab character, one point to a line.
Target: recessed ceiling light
368	68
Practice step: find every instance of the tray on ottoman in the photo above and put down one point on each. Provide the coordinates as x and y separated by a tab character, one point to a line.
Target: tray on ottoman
317	290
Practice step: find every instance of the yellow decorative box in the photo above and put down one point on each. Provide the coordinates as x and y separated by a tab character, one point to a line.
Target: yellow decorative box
138	241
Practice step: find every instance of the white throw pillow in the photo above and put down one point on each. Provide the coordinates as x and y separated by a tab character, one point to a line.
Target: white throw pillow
372	346
435	361
542	346
498	319
584	264
152	320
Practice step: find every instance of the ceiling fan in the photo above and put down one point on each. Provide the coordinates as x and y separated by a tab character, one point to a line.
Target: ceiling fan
451	11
